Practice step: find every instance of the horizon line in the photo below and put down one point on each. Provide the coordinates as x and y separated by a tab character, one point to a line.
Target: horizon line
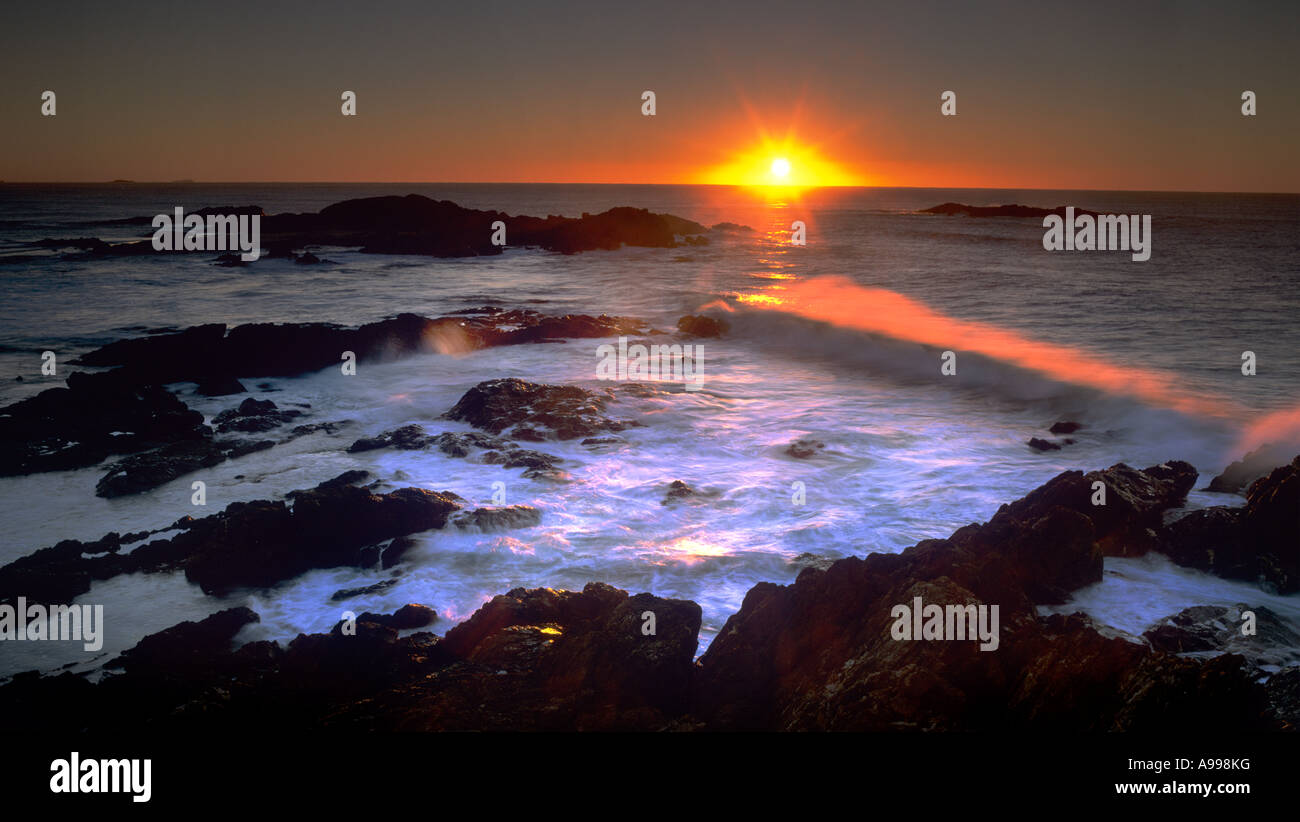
662	185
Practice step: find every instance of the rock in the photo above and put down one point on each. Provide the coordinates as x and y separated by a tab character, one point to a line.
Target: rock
408	438
406	618
499	519
703	326
678	490
950	209
253	416
395	551
805	448
352	593
1258	463
1283	689
1064	427
187	647
1256	543
95	416
1043	445
492	450
249	544
307	258
142	472
564	412
1216	628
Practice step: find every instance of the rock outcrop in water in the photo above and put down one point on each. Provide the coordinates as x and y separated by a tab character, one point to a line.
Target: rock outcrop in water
1259	543
249	544
126	410
1009	210
818	654
415	224
535	412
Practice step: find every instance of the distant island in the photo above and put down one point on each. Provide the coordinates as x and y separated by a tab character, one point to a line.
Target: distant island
1009	210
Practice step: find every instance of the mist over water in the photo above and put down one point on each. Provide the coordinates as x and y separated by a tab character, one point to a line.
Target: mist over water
837	341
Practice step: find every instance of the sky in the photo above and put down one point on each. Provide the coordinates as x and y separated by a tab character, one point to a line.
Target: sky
1097	95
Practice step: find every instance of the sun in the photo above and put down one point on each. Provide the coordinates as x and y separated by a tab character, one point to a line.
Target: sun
781	168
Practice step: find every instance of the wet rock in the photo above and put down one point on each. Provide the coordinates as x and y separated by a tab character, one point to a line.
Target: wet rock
563	412
1064	427
408	617
407	438
95	416
142	472
1039	444
1255	465
395	551
187	647
490	450
805	448
1256	543
703	326
678	490
1218	629
353	593
506	518
253	416
307	258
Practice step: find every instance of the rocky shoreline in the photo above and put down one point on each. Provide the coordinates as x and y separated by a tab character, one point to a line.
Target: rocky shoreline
814	655
817	654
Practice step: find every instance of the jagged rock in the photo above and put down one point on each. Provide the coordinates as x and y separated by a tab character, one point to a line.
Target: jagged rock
1255	465
1256	543
187	647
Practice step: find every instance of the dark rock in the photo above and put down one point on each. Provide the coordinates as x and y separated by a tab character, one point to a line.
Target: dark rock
352	593
950	209
1064	427
307	258
142	472
703	326
1256	543
186	647
678	490
406	618
253	416
95	416
803	449
1043	445
1218	628
507	518
1258	463
566	412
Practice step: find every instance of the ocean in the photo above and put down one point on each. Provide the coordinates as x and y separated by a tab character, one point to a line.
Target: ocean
839	341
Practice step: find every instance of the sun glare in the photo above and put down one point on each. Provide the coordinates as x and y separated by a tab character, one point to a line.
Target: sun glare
783	164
